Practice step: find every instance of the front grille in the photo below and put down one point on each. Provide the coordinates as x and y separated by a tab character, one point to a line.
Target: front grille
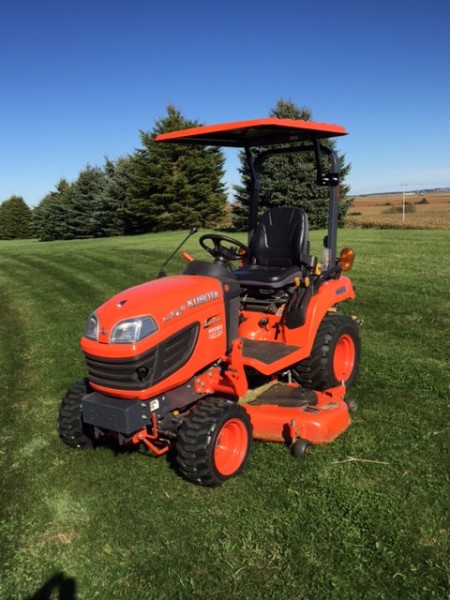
142	372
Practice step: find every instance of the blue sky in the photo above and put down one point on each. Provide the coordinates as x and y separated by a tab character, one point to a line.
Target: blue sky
79	79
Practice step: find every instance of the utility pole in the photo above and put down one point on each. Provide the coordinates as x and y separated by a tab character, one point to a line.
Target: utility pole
403	211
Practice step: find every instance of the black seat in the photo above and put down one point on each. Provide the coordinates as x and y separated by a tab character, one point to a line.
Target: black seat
278	249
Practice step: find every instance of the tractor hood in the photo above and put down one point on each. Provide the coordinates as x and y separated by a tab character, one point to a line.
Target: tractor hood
171	302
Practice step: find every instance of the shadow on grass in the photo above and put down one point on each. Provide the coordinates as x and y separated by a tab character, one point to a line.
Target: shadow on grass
113	446
60	583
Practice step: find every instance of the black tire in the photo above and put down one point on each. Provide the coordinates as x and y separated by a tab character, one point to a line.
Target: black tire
301	449
334	357
214	442
71	429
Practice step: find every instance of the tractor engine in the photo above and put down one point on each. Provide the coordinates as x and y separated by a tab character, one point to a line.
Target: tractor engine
156	336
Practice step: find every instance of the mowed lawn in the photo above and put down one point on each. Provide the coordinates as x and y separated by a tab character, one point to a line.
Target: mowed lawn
364	517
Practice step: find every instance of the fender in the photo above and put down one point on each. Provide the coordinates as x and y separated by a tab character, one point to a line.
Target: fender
330	293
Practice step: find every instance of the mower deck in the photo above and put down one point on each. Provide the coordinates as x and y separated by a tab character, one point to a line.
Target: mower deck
286	413
286	395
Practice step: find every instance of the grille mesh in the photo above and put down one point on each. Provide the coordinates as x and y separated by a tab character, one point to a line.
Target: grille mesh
148	369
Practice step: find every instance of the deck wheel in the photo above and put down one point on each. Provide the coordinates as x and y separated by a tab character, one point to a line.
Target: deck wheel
301	448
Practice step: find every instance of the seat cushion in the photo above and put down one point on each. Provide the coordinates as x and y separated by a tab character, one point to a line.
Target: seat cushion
255	275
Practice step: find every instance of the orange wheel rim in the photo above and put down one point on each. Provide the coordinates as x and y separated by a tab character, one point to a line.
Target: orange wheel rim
230	447
344	358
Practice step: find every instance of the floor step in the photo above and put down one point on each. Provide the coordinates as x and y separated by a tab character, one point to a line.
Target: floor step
267	352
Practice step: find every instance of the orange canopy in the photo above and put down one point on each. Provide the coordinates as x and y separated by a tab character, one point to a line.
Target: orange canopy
257	132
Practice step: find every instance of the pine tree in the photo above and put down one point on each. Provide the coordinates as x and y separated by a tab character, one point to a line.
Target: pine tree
15	219
290	180
175	186
110	211
92	206
52	216
87	198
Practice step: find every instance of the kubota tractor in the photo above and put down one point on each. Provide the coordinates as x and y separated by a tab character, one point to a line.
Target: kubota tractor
169	361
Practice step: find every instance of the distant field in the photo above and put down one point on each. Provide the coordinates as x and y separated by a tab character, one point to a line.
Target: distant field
377	211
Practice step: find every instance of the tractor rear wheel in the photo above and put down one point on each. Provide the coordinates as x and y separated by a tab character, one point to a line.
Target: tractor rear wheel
72	431
334	357
214	442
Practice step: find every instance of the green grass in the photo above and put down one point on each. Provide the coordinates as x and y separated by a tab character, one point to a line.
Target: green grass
363	517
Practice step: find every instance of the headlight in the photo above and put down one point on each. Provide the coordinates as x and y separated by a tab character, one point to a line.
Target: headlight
133	330
91	329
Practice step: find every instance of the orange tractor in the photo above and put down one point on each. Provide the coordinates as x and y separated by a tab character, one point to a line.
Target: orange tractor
171	362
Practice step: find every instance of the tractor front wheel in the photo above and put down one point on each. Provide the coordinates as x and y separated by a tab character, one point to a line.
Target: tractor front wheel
214	442
72	431
334	357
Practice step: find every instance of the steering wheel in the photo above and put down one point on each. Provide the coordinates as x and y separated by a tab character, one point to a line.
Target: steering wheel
220	252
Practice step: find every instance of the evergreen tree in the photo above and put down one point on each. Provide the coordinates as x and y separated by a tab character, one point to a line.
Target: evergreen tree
174	186
52	216
87	199
92	206
110	211
15	219
159	187
290	180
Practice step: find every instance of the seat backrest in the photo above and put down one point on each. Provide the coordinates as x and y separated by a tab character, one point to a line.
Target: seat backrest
281	238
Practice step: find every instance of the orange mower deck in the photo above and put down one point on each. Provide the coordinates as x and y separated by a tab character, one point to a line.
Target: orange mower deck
287	413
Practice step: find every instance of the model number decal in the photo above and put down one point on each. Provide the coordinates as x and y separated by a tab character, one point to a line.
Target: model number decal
215	332
191	303
177	312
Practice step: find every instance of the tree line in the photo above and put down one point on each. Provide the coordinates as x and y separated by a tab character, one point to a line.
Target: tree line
167	187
